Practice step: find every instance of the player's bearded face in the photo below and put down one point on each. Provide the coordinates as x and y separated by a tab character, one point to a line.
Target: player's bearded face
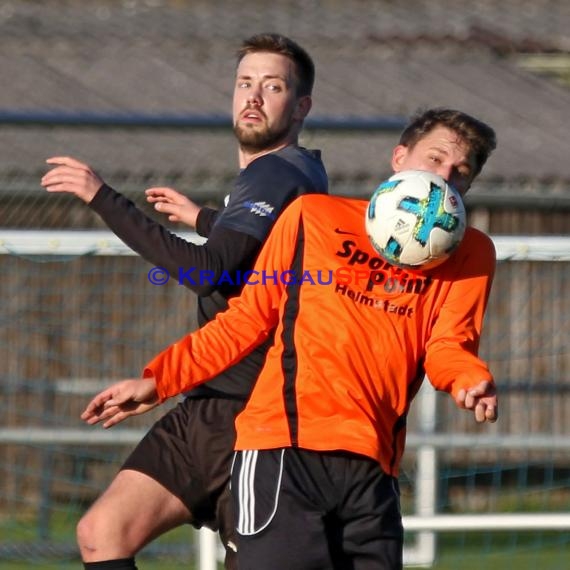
265	102
259	136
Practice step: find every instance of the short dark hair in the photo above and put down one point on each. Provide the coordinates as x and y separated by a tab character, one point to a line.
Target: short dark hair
276	43
478	135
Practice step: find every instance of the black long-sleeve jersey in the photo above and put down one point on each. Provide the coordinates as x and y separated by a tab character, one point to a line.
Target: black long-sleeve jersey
216	269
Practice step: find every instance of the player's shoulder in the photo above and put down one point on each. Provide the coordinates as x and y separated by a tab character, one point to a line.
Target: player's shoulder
477	249
327	206
476	239
331	201
295	153
289	162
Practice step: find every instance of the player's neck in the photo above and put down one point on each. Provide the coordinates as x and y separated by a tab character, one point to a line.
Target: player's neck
246	157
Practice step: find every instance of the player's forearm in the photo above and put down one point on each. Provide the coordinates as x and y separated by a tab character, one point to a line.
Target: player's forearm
453	371
201	355
194	266
234	333
142	234
452	359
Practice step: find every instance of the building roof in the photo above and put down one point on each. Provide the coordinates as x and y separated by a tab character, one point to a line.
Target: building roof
374	59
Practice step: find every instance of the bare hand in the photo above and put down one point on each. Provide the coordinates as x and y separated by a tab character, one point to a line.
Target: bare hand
70	175
120	401
171	202
482	399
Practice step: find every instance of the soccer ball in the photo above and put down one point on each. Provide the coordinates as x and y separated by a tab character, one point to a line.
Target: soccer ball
415	219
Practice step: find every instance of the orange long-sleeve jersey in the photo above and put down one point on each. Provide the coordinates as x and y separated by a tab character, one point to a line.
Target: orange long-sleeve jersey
354	335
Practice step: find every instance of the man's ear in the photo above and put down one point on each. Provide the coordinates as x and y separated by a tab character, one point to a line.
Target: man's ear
303	107
399	155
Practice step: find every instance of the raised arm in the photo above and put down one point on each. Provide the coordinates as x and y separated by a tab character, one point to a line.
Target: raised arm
199	356
249	320
225	251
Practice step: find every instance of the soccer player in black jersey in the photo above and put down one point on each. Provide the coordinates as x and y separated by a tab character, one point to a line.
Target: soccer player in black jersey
179	472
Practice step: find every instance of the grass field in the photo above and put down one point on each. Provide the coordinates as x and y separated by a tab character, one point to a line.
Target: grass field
553	558
534	550
549	551
520	551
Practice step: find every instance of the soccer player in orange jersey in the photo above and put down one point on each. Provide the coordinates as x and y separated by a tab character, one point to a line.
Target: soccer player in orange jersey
319	443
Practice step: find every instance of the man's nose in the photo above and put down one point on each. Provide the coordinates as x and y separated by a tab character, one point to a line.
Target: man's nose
254	97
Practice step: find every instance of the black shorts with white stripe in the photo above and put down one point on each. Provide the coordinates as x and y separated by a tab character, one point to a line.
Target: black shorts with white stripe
310	510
